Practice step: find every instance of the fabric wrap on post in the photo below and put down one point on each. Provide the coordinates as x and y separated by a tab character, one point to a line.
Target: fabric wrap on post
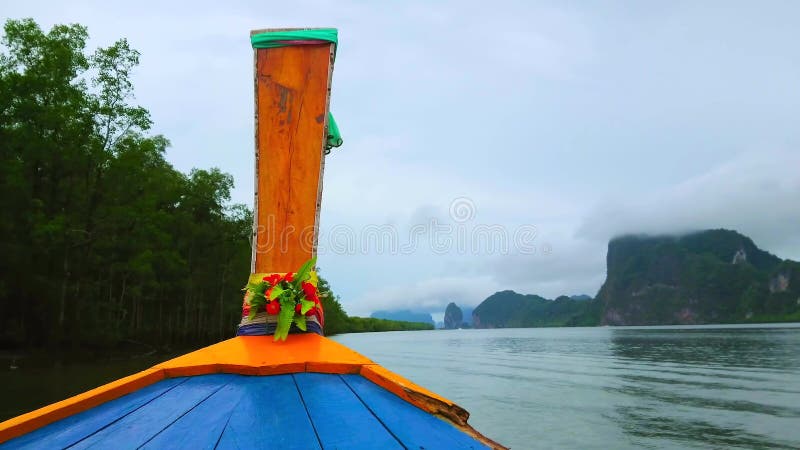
275	39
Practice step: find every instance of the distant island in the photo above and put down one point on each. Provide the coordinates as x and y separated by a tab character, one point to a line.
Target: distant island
404	315
706	277
508	309
456	317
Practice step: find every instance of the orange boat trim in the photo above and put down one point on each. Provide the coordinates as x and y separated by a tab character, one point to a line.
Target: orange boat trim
252	355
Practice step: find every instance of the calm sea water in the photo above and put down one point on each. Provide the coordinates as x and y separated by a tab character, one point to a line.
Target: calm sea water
610	388
714	387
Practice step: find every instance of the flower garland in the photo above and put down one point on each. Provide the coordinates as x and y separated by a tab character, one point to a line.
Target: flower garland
291	297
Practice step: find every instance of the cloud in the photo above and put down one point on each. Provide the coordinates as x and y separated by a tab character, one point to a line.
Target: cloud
757	194
565	267
428	295
568	269
585	122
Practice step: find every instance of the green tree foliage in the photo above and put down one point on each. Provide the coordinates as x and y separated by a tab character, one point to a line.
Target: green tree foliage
102	240
336	320
371	324
403	315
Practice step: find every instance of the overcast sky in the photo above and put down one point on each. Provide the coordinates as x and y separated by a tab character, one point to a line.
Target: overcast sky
556	124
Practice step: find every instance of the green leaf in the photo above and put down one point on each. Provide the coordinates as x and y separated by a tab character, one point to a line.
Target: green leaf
256	288
303	271
306	306
284	320
276	292
252	314
257	301
300	321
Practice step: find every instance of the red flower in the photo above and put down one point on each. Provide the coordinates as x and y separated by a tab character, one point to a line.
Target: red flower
273	307
298	308
311	311
310	291
245	310
289	276
272	279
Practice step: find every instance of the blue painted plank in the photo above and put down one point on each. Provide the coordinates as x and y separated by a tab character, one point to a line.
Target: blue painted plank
140	426
235	411
269	414
202	426
68	431
415	428
340	418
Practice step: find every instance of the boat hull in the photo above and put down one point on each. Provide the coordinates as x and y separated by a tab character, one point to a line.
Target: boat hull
241	390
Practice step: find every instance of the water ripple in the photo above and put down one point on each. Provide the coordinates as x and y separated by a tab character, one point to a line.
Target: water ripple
638	387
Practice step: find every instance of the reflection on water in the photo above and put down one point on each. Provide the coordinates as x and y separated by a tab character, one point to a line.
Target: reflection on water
39	381
761	348
636	387
689	432
709	387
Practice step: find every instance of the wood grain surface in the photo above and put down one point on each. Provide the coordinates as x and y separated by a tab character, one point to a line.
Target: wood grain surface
292	88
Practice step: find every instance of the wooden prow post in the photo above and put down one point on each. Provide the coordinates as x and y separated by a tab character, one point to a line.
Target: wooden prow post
292	89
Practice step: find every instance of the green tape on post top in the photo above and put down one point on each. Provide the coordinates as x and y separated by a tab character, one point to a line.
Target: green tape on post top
275	39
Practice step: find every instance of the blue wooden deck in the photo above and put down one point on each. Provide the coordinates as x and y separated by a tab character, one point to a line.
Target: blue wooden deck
224	411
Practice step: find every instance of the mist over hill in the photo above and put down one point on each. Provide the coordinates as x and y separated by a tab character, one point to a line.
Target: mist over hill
712	276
